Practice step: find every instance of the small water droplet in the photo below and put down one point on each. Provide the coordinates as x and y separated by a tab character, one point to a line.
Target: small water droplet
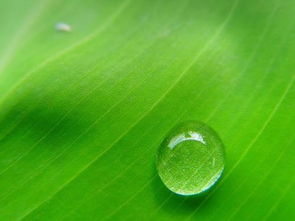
64	27
191	158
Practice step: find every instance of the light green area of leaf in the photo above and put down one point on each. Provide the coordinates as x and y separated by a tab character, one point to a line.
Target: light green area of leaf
83	113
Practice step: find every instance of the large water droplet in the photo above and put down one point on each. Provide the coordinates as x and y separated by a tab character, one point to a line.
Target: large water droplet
191	158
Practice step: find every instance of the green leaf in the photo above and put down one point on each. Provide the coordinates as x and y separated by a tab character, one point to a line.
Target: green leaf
82	113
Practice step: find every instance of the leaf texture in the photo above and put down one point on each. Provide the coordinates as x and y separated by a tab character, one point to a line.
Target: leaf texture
83	113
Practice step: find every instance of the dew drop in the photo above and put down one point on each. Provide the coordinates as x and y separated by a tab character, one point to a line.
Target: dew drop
190	160
63	27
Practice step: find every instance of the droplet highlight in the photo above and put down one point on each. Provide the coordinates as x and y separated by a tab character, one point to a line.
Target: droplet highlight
190	159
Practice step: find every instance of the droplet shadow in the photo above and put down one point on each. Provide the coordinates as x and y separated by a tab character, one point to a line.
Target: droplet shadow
174	204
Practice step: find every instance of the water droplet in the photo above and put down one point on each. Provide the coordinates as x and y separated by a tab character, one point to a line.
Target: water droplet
191	158
64	27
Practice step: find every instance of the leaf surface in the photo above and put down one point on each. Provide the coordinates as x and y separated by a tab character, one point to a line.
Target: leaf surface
82	113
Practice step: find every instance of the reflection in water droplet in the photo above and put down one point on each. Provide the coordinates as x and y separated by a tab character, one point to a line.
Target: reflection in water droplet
191	158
